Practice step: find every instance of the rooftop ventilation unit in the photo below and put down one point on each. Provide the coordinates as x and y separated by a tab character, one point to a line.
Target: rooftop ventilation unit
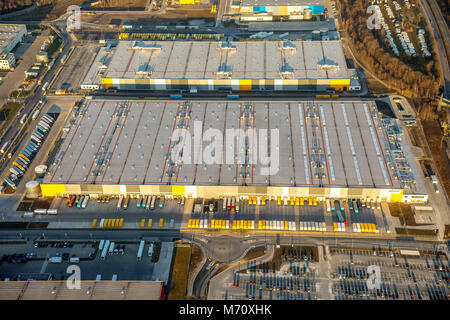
327	64
144	70
287	46
224	71
226	46
141	45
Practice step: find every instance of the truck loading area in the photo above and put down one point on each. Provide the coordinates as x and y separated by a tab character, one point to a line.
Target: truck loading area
326	149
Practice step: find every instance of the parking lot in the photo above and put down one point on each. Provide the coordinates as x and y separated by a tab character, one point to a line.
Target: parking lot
338	274
37	265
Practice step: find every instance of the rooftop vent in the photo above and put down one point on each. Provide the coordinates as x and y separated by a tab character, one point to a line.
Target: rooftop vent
287	46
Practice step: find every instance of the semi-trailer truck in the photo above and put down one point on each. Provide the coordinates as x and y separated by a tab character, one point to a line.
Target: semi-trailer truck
45	86
36	114
23	119
140	250
5	147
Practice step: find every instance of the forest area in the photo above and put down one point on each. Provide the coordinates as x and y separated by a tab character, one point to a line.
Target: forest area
414	78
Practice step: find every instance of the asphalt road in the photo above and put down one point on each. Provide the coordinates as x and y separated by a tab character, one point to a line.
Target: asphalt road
437	22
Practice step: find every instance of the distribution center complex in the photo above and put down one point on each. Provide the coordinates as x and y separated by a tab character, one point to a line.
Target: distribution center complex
325	149
312	66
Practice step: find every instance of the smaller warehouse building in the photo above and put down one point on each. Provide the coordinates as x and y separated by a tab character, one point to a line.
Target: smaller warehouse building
268	10
89	290
313	66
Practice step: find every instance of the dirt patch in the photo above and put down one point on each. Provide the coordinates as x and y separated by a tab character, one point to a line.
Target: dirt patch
180	271
156	251
433	135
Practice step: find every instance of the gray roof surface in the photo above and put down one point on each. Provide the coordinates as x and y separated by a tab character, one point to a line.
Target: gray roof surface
138	144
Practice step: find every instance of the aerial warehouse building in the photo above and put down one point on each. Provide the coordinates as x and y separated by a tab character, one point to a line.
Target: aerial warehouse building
326	149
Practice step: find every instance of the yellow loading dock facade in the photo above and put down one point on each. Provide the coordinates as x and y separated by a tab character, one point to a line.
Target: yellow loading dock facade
217	192
313	66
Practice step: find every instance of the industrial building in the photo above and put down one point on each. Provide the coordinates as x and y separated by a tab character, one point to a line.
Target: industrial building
323	149
311	66
7	61
89	290
10	36
268	10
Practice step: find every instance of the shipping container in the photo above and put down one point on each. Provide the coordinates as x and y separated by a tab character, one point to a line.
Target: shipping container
140	250
102	243
36	114
119	203
23	119
105	250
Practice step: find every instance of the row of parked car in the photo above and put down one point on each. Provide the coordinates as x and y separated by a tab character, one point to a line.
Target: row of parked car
18	257
54	245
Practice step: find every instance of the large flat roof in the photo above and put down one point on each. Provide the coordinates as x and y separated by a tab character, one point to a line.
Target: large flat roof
202	60
322	143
